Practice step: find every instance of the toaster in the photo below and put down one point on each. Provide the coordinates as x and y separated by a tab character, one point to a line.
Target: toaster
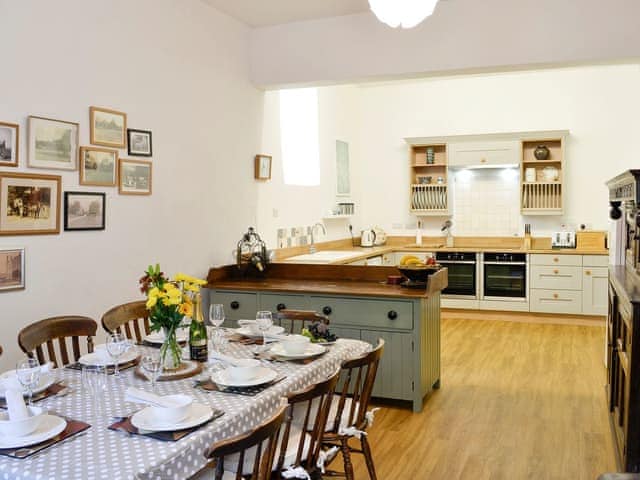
563	240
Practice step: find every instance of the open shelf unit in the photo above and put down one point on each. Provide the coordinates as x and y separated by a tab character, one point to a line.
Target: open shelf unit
541	181
429	193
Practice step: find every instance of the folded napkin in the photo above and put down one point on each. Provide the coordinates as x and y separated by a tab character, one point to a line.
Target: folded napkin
141	396
10	379
16	406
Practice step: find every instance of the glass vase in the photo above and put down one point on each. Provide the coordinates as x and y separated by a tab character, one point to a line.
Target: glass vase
170	351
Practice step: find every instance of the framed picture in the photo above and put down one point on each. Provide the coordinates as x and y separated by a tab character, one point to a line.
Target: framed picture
139	142
262	170
9	144
11	269
52	144
135	177
84	210
108	127
29	204
98	166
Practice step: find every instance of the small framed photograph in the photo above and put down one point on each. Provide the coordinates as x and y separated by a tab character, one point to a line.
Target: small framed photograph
262	169
98	166
84	210
52	144
107	127
11	269
139	142
29	204
135	177
9	144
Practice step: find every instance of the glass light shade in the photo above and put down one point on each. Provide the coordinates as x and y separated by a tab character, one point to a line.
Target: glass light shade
402	13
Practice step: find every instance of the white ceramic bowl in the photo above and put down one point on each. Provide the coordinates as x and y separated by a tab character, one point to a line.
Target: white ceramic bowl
176	413
20	428
295	344
244	370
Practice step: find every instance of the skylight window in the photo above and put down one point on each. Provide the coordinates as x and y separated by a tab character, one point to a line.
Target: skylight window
299	136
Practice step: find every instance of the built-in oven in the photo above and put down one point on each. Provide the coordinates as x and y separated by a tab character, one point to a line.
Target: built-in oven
504	276
462	268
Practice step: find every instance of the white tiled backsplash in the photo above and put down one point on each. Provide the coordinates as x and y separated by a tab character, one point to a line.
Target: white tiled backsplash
294	237
486	202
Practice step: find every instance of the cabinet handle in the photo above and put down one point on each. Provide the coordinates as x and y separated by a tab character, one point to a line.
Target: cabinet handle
555	295
483	160
281	306
327	310
556	272
392	315
556	259
587	272
235	305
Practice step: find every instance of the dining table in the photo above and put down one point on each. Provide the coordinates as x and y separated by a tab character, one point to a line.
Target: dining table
102	453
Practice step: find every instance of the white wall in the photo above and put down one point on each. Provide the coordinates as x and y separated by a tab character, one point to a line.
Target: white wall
462	35
178	68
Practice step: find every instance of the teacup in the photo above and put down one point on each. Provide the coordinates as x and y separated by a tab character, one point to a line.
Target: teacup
20	428
295	344
177	412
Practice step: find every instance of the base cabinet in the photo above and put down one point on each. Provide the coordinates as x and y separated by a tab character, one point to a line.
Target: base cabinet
395	373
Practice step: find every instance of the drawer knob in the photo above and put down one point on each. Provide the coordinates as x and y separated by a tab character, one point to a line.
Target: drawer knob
392	315
555	271
281	306
588	272
235	305
556	259
483	160
327	310
555	295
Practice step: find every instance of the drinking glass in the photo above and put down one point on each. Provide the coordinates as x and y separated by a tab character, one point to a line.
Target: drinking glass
216	314
153	366
264	321
28	373
117	344
94	380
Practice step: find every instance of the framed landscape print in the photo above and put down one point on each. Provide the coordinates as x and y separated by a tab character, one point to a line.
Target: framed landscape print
84	210
262	167
9	144
29	204
11	269
108	127
139	142
135	177
98	166
52	144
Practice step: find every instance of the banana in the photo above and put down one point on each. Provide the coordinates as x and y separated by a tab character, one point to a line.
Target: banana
414	261
407	258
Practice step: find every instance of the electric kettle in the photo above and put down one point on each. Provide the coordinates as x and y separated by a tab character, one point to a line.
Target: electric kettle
367	238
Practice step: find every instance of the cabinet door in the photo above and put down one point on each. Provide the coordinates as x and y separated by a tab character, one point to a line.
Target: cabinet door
483	153
237	305
342	332
275	302
395	372
595	286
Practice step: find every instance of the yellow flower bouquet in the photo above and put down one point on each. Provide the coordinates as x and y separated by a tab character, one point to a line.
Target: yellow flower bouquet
168	302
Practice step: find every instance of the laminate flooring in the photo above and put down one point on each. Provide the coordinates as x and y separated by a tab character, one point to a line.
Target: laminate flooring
517	401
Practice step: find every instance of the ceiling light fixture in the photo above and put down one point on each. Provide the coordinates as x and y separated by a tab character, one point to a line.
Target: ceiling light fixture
402	13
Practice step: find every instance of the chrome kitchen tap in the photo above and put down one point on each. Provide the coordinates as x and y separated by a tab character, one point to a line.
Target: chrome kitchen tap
312	248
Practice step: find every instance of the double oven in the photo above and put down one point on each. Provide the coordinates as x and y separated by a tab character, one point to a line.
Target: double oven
500	276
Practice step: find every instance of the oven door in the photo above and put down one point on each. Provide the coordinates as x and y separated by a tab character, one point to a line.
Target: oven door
462	279
505	281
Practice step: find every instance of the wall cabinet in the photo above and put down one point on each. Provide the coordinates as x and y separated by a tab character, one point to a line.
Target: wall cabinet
488	153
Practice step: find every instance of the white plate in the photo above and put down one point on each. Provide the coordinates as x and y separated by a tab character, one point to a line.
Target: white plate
46	380
313	349
247	332
158	337
146	420
101	357
49	427
263	375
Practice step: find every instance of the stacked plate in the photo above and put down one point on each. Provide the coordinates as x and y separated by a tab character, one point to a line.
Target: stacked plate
10	380
100	356
254	333
182	335
260	376
313	350
149	419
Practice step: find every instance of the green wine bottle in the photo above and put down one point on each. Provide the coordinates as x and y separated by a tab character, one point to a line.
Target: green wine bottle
198	333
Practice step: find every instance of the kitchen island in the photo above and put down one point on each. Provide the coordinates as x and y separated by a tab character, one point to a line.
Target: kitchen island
360	305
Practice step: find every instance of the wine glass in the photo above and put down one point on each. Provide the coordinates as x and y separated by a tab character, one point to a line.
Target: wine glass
264	321
117	344
94	380
153	366
216	314
28	374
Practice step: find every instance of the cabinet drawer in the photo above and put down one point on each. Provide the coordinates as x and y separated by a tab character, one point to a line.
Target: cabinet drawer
555	301
558	277
237	305
366	313
274	302
553	259
595	260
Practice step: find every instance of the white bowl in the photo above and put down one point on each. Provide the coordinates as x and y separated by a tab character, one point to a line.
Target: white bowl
244	370
175	413
20	428
295	344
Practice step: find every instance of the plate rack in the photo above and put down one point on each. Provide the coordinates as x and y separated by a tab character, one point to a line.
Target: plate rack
429	198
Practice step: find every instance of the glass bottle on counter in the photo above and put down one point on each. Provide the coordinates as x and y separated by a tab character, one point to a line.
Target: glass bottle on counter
198	333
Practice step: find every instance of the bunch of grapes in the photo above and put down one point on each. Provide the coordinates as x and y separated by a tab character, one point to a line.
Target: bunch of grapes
319	332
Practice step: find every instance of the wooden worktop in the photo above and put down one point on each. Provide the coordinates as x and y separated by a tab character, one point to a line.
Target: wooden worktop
326	279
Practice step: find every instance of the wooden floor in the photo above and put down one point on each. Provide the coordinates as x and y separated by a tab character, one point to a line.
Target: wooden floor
517	401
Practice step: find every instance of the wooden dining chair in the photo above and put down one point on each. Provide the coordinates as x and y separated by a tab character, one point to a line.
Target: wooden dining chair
228	456
295	320
349	409
32	338
132	317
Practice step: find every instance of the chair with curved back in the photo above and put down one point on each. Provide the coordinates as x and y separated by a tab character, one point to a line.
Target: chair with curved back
132	317
350	407
295	320
32	338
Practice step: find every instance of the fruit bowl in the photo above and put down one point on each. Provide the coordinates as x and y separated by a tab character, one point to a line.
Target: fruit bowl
418	273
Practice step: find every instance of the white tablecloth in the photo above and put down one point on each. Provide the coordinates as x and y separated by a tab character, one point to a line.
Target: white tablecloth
112	455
